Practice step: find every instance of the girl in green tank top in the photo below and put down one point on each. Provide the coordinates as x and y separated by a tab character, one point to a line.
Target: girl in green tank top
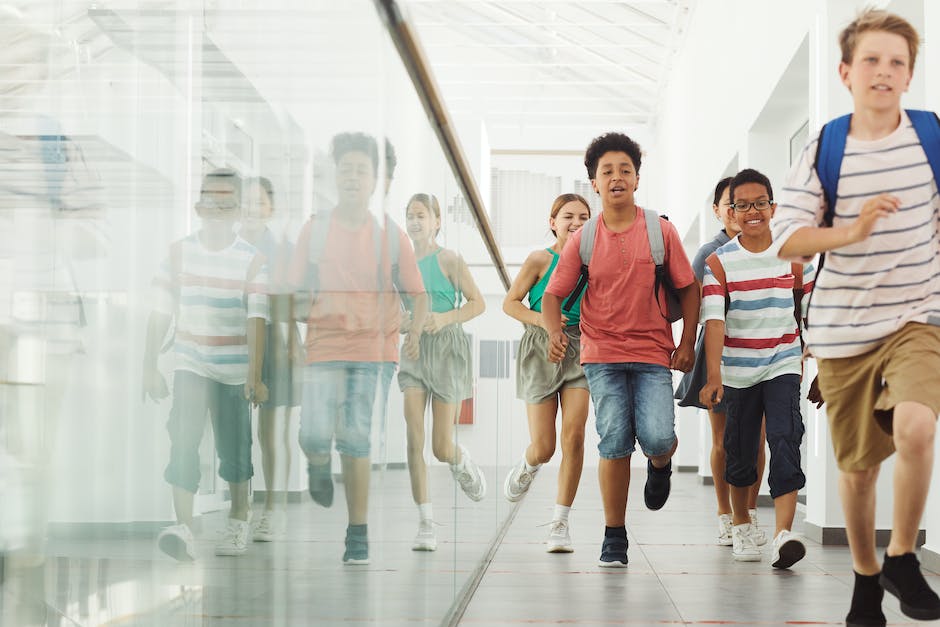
546	386
442	375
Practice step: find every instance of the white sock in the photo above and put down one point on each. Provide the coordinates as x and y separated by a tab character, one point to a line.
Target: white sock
561	512
426	511
529	467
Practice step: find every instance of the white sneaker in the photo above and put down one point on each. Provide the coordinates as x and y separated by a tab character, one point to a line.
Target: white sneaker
468	475
234	540
271	525
425	540
759	536
724	530
743	547
788	549
559	540
518	481
177	542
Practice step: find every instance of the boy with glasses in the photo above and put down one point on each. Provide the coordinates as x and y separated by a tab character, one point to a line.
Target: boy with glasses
751	304
872	326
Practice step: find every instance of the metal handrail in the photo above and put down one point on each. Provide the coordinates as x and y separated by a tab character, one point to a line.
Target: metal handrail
412	55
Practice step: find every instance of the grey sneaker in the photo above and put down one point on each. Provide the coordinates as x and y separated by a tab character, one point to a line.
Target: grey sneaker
559	539
468	475
357	547
518	481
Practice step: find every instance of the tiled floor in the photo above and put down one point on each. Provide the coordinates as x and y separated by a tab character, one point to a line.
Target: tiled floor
677	575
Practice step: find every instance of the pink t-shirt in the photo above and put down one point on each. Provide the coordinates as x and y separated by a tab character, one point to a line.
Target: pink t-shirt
350	319
621	321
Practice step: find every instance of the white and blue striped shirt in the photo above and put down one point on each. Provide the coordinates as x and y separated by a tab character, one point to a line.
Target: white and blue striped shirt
867	291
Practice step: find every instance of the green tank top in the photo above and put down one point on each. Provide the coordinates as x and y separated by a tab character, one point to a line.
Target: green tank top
442	292
536	292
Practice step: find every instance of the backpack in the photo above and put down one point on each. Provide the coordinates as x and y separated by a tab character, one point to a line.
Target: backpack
830	149
654	233
318	233
714	264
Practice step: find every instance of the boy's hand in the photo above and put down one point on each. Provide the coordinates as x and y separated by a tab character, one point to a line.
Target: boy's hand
711	394
256	392
815	395
881	206
154	385
412	345
683	358
557	346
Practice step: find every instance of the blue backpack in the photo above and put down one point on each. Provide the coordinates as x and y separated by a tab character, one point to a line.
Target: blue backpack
831	148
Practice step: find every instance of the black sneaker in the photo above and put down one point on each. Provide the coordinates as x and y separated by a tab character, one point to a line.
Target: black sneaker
866	603
357	546
614	553
657	487
901	577
320	483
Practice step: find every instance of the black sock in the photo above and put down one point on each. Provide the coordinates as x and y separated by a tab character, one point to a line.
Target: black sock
866	601
615	532
357	530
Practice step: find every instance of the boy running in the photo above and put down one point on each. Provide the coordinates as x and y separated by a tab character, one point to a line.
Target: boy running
752	303
627	346
870	324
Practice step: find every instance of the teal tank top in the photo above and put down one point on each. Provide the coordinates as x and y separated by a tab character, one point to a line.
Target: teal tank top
536	292
442	292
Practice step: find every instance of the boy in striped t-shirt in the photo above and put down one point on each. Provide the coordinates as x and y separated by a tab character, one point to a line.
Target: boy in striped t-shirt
751	306
870	327
213	286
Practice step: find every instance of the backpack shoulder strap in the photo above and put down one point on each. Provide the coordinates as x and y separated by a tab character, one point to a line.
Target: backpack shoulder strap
588	234
654	231
718	270
927	126
394	251
830	148
585	251
797	270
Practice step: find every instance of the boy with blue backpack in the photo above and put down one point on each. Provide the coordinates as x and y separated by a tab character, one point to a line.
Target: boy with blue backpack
864	193
636	278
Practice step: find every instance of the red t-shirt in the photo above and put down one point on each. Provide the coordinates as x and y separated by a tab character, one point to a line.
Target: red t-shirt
351	320
621	321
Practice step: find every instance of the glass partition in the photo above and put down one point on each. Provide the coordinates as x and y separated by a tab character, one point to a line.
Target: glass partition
222	224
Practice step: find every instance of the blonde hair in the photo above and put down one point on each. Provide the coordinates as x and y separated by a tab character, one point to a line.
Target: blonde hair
877	20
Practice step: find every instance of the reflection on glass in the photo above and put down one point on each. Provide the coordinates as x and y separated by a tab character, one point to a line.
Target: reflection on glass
212	287
441	373
352	267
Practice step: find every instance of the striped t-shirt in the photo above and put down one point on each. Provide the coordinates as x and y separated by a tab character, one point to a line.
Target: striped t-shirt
211	295
762	340
868	290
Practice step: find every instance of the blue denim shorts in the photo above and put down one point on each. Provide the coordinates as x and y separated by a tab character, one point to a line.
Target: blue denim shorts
632	402
341	399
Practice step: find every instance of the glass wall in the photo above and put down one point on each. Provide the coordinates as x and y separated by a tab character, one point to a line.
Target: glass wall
222	397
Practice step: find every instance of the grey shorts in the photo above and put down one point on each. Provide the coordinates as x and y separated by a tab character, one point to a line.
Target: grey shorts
443	367
538	379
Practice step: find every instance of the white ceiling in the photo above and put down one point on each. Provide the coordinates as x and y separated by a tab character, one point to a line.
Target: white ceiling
550	67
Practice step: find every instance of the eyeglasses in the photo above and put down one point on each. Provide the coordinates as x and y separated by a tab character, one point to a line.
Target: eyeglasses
743	207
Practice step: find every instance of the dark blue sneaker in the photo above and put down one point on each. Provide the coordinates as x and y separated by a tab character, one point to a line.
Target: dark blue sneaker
320	483
614	553
656	492
357	546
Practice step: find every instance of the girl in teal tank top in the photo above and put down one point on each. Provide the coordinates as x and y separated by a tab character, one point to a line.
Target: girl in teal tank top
442	374
544	386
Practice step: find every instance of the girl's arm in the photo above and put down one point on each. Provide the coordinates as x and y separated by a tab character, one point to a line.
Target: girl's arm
529	275
459	275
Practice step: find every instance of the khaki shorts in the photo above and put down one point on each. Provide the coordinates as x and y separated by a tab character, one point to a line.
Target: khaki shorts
861	393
